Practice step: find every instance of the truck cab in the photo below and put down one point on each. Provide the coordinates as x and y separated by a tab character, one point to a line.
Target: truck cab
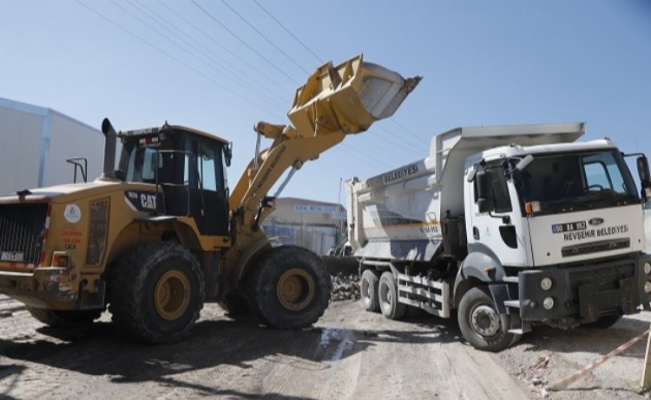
562	222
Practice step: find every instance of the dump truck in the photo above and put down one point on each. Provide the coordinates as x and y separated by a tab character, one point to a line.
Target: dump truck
162	234
509	227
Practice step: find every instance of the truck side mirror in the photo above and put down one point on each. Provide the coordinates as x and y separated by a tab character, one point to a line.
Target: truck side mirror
645	179
484	187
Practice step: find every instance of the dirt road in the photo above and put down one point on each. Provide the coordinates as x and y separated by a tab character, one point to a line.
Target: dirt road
349	354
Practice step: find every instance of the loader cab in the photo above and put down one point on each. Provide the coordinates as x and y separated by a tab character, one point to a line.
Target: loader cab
189	166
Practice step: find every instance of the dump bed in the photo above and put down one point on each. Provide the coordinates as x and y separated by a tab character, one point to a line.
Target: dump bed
396	215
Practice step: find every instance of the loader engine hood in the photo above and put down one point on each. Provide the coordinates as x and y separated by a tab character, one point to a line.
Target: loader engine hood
53	192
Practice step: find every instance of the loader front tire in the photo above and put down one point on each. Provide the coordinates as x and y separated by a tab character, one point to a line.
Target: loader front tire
64	319
289	288
157	293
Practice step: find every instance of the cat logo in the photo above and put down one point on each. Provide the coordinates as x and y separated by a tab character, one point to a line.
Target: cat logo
148	201
141	201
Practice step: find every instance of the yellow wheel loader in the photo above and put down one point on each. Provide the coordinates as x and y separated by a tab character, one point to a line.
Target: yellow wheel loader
160	235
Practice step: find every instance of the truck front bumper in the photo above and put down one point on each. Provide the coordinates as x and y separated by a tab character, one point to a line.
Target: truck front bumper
585	293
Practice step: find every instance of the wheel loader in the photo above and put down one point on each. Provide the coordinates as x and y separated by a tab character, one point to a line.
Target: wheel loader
162	234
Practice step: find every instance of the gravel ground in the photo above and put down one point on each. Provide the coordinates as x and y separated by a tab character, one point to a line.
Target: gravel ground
547	356
356	342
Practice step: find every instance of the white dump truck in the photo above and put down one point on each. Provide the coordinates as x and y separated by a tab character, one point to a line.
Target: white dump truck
509	226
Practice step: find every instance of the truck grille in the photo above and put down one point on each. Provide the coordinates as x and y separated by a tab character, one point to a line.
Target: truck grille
604	278
22	232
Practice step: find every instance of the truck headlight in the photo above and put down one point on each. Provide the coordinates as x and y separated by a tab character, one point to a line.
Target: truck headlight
647	268
548	303
546	283
647	287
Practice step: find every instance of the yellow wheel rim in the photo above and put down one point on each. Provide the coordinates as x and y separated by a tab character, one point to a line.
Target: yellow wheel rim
296	289
172	295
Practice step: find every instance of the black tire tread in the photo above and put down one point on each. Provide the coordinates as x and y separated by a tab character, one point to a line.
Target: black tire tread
397	310
262	289
128	282
502	340
372	302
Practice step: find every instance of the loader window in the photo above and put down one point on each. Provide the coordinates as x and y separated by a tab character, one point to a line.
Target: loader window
207	168
142	165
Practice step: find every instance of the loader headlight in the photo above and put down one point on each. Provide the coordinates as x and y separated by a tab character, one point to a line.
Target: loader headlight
546	283
647	268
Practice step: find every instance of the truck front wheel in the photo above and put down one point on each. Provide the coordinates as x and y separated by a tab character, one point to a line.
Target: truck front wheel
480	323
388	297
289	288
157	292
368	286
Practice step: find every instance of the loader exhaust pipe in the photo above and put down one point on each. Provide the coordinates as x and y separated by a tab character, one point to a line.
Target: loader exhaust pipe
108	172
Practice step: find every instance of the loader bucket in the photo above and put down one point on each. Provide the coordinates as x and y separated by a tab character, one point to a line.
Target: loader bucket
348	98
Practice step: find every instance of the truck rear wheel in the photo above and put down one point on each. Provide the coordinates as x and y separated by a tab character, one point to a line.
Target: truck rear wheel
368	286
289	288
157	292
388	297
480	323
64	319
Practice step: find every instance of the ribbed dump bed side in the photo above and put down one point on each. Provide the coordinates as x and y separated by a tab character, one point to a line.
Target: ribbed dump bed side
22	232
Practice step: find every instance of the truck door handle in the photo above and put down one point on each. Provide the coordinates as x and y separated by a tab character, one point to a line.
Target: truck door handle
475	233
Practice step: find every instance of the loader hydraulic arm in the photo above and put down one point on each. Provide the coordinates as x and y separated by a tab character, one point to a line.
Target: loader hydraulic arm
335	102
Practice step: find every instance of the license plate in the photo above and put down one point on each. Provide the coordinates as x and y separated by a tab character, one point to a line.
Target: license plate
12	256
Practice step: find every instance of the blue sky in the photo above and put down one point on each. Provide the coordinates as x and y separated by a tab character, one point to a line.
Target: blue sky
221	66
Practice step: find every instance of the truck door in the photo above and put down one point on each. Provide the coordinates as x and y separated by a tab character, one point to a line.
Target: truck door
500	231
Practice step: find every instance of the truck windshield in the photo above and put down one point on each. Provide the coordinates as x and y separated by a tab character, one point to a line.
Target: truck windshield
567	182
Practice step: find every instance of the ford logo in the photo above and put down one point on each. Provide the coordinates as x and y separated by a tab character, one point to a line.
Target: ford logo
596	221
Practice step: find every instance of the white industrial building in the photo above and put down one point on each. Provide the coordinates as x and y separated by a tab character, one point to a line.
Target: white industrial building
37	141
315	225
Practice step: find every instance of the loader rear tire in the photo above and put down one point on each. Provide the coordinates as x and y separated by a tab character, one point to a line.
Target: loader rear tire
368	286
157	293
64	319
289	288
388	297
